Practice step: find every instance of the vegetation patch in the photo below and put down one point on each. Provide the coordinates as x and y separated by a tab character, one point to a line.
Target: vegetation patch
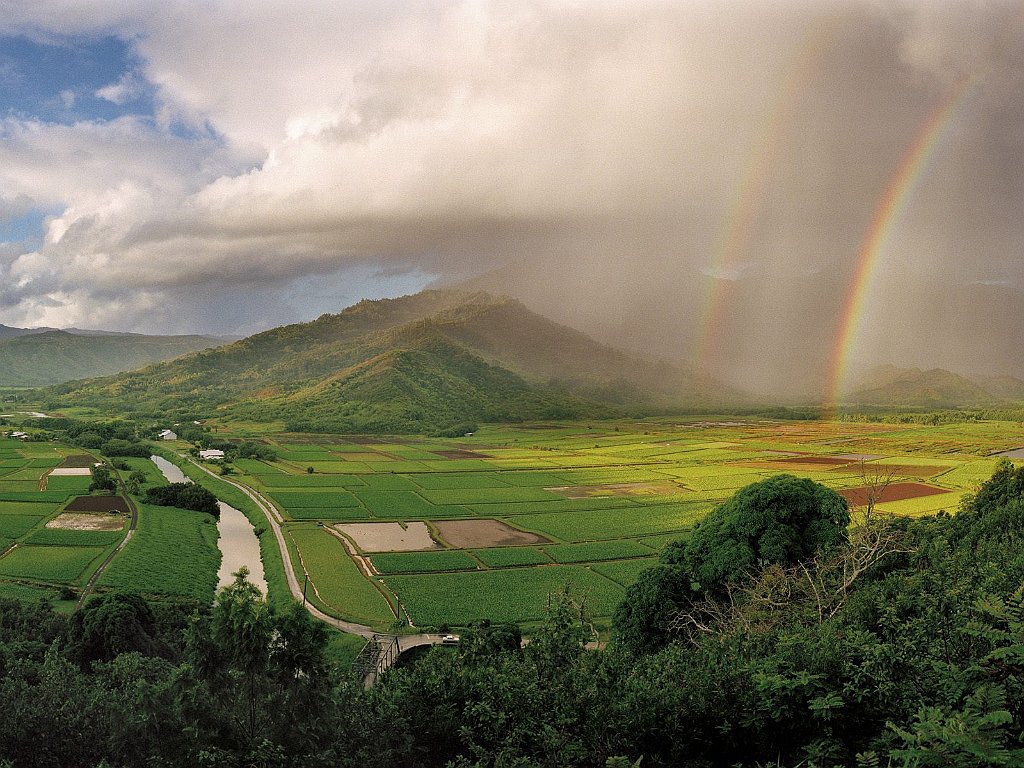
508	557
338	583
57	563
74	537
173	552
424	562
514	594
599	550
624	572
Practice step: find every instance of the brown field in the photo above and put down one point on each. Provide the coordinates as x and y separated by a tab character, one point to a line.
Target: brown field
99	504
79	460
79	521
485	533
666	488
389	537
895	492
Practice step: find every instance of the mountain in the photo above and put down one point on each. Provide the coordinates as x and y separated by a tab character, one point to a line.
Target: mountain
9	332
934	388
1002	387
42	357
416	363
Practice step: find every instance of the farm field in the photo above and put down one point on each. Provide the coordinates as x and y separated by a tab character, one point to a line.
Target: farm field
47	548
485	526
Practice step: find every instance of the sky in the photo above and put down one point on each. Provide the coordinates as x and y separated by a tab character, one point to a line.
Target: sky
691	179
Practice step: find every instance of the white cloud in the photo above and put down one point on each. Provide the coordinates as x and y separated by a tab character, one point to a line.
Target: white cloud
127	87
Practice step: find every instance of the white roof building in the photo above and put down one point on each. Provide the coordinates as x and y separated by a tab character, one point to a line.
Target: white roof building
167	435
211	453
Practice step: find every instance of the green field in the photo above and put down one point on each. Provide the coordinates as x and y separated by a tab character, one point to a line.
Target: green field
562	503
173	552
607	498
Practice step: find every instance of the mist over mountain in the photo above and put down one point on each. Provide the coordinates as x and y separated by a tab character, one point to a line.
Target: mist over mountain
933	388
419	362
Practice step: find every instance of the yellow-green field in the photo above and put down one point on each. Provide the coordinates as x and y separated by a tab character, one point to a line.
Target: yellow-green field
588	506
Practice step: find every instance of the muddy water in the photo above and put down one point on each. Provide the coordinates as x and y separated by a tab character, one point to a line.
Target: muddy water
170	471
238	546
1016	453
237	539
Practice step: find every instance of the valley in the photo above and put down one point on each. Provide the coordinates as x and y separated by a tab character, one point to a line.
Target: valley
406	533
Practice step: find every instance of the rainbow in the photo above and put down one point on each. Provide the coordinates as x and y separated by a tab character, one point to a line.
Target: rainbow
894	202
739	225
889	211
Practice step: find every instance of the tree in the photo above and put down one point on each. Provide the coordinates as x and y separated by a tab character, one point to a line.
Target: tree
102	480
112	624
183	496
782	521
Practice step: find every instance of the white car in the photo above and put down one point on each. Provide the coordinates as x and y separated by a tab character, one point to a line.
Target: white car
449	640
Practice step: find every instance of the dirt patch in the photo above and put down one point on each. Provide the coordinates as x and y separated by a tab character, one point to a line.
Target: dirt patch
389	537
894	492
71	472
858	456
460	453
99	504
666	488
83	521
78	460
485	533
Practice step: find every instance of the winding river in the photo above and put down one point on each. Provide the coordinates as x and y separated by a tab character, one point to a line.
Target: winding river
237	538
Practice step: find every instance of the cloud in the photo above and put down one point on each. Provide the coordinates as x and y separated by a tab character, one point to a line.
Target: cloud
592	157
127	87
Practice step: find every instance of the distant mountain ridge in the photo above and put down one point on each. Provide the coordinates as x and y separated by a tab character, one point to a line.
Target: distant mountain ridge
933	388
415	363
37	357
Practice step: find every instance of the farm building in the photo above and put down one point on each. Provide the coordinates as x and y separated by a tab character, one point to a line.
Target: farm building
167	434
19	435
211	453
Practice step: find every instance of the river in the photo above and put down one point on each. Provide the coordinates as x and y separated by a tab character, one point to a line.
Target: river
237	539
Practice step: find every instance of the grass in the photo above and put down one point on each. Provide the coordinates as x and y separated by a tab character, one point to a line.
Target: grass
69	538
507	557
173	552
336	579
517	594
615	523
624	572
52	564
315	499
16	526
68	483
600	550
423	562
487	495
